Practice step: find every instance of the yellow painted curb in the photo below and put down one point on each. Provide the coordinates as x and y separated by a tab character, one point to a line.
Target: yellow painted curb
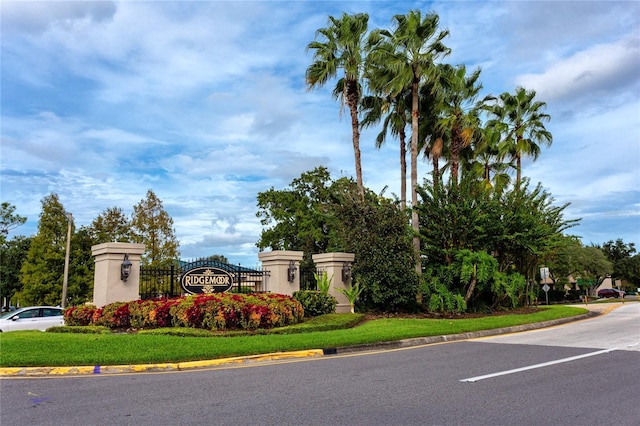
118	369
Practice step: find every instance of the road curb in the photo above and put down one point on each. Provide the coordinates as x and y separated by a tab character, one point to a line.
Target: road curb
176	366
15	372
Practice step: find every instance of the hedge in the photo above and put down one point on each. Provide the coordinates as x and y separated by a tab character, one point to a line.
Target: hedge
218	311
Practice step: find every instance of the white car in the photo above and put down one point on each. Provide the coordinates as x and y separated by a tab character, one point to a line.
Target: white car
32	318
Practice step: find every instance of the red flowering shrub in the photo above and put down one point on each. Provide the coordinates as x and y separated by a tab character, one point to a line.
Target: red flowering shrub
113	315
217	311
79	315
162	314
142	313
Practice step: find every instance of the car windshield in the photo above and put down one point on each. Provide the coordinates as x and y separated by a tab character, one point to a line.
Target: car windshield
7	314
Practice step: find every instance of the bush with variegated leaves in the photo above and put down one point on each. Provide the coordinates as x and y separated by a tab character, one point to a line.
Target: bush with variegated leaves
218	311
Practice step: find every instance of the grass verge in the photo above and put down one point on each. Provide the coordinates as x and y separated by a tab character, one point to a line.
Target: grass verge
37	349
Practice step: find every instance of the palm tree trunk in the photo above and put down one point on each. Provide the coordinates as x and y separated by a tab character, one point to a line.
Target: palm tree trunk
415	220
352	101
403	170
472	286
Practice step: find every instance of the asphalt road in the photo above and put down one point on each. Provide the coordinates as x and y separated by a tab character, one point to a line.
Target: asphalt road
583	373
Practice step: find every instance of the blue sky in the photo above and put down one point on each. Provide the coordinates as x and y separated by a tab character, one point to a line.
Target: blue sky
205	104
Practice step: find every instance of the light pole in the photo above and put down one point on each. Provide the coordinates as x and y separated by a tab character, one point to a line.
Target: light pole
66	262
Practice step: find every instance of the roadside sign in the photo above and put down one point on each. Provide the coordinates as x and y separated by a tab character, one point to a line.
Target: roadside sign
546	289
544	273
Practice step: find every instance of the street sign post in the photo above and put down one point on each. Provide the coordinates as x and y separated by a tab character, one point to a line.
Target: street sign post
544	274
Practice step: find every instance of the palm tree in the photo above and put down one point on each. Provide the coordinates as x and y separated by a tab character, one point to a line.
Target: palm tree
459	120
409	53
488	163
521	120
395	114
431	139
341	46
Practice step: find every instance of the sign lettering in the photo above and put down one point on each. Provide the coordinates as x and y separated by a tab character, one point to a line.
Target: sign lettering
206	280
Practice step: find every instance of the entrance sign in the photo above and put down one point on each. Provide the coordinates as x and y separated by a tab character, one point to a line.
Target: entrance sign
206	280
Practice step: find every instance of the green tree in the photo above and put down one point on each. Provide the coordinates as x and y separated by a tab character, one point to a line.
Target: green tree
456	217
629	269
376	231
298	218
530	226
459	118
409	51
81	268
519	227
619	253
41	273
316	214
564	259
488	163
9	220
12	255
153	227
477	268
112	225
341	45
217	258
521	121
395	114
593	267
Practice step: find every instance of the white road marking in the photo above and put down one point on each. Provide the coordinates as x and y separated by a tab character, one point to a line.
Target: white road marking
532	367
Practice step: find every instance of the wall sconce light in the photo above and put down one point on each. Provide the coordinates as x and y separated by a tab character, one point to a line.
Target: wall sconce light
346	272
291	271
125	268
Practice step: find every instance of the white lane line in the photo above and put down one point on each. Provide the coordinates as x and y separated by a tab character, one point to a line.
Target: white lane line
532	367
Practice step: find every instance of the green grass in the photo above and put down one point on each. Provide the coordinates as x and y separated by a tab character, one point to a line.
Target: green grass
33	348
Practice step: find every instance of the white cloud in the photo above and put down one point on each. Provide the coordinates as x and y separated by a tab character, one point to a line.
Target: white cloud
591	72
204	102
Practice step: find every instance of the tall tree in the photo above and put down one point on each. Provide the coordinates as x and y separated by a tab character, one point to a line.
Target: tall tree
409	51
12	255
297	218
459	119
395	114
9	220
619	253
153	227
376	231
488	163
81	268
521	120
341	45
430	135
42	271
112	225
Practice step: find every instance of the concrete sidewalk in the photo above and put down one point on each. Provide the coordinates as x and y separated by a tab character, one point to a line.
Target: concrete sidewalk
15	372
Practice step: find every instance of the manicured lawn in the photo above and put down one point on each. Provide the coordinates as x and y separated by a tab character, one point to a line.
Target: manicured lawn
33	348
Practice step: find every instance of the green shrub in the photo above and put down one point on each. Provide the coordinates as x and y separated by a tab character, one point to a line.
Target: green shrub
442	300
86	329
315	302
323	281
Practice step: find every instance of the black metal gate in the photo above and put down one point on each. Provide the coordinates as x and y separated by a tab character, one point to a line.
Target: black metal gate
165	282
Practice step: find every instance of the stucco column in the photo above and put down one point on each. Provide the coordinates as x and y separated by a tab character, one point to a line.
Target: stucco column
332	264
277	264
108	287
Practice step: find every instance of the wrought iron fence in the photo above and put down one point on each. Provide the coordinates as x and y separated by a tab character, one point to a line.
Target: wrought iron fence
308	279
165	282
159	282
